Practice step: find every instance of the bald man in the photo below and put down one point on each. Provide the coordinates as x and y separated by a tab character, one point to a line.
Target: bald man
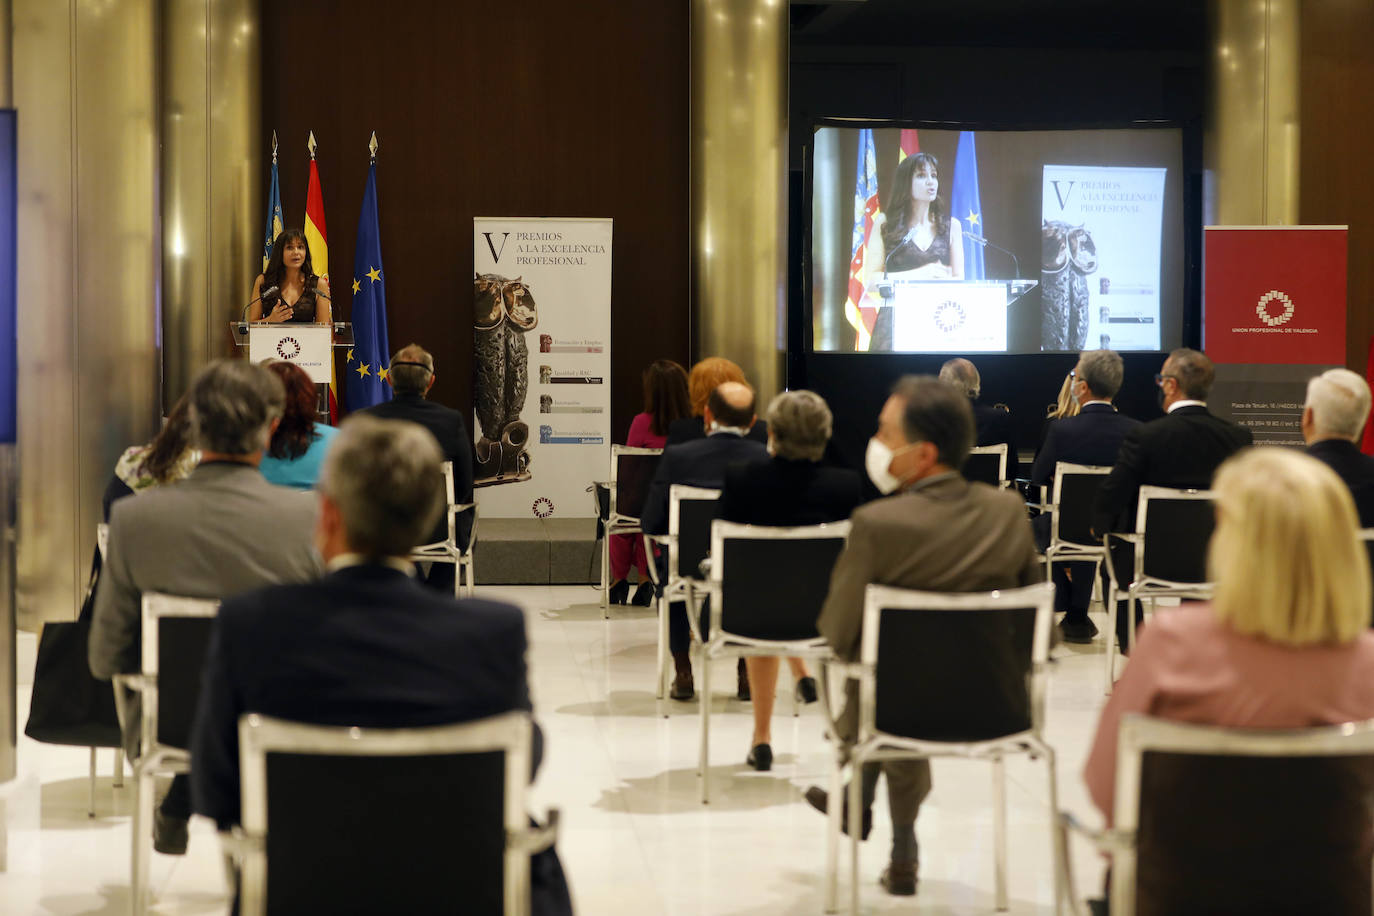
729	415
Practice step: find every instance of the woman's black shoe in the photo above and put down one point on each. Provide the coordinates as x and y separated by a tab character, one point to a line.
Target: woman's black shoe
806	690
644	595
761	757
619	592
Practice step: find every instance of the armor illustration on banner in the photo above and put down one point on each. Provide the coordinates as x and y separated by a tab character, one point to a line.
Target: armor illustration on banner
504	311
1068	255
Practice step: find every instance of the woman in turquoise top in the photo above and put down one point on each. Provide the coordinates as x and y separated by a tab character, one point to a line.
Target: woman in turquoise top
299	445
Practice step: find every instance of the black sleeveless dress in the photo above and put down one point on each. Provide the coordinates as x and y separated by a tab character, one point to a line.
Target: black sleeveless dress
303	312
906	256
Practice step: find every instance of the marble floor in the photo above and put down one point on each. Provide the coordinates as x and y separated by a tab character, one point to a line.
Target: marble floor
635	837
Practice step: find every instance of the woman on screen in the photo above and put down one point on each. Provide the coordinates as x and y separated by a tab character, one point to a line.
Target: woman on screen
297	295
918	239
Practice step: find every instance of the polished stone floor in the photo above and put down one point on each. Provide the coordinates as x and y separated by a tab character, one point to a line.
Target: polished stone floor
635	837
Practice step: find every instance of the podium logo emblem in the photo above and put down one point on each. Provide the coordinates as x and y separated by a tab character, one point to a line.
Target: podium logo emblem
543	507
288	348
949	316
1281	301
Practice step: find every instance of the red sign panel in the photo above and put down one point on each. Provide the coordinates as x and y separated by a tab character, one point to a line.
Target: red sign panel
1274	295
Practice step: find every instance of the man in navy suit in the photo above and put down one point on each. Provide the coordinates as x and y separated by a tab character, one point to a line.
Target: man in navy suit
1092	437
1182	449
729	416
1332	420
367	645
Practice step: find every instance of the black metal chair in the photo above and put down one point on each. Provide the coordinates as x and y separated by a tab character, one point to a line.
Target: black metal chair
766	588
176	635
1226	820
620	502
688	542
1071	504
988	464
440	827
1172	531
450	550
946	675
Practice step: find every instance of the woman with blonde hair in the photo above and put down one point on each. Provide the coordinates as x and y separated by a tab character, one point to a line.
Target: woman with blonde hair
706	376
1285	642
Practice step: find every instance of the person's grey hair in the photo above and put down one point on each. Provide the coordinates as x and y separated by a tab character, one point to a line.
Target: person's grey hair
1101	371
800	422
963	375
1339	400
384	476
411	379
1194	372
232	405
939	413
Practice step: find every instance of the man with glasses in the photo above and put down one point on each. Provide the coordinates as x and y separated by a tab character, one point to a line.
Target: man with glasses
1182	449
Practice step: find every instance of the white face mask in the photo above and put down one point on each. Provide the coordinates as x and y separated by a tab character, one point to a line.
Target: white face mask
877	461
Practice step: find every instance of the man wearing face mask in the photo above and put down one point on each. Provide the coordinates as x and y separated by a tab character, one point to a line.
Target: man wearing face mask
1092	437
728	416
937	532
1181	449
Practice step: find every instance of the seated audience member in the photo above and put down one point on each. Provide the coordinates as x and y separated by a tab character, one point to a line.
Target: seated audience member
1285	642
298	444
1182	449
169	457
791	489
1064	406
665	401
706	376
1332	420
411	376
366	645
222	530
993	425
1092	437
729	415
939	532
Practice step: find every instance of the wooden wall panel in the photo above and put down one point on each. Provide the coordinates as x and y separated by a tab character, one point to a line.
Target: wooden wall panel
542	108
1337	77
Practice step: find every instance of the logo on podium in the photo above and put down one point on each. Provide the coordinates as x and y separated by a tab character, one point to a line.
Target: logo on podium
949	316
288	348
1262	309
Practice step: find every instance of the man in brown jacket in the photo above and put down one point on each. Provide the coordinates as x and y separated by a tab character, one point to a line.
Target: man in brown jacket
938	532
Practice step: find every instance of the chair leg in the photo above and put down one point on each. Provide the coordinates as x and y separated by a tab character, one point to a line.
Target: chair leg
605	575
999	830
704	699
662	670
457	578
1111	639
832	838
1058	838
855	828
118	781
142	840
90	800
469	574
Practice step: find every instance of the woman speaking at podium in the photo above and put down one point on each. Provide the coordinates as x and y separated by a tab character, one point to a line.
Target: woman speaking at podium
294	292
917	238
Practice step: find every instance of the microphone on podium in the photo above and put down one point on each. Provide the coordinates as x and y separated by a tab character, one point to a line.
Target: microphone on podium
266	294
977	239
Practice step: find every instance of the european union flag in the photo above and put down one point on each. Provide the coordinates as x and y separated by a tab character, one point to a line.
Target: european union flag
966	206
371	353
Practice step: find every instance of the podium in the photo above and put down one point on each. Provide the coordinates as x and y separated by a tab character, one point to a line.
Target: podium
960	316
306	345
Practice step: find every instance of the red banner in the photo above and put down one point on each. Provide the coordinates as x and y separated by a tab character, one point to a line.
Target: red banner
1275	295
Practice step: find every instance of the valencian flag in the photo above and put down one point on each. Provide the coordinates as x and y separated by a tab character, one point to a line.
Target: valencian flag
317	239
370	356
274	217
966	206
859	309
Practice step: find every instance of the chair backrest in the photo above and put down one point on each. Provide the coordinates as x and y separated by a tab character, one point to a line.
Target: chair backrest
632	470
1367	536
176	635
1075	489
770	583
439	812
690	513
1243	820
958	667
987	464
1175	528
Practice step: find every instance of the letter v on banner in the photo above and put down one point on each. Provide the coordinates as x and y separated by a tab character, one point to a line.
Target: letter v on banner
496	255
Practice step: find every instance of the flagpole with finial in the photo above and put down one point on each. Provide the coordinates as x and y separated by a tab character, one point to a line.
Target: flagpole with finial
372	147
310	144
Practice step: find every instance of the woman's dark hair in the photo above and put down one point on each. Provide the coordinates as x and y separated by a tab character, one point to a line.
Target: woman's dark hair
297	428
275	271
170	443
665	395
899	210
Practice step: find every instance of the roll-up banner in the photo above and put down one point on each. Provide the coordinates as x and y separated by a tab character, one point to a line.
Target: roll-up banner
1274	310
542	364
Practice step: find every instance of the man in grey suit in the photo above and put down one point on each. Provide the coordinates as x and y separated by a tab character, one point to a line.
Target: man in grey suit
221	531
938	532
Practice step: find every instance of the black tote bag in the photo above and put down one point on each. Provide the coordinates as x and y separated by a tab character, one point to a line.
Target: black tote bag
69	705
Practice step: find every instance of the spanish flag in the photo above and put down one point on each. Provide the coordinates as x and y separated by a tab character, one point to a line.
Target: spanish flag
316	236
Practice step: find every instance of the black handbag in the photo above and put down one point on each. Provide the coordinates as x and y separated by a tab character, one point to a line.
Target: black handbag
69	705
